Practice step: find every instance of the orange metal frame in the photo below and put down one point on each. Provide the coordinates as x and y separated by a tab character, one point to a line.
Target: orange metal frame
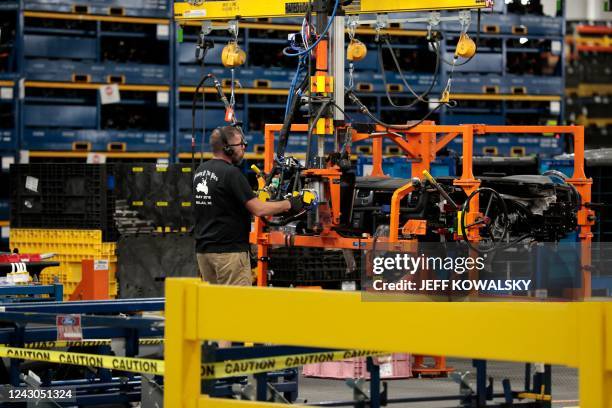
419	144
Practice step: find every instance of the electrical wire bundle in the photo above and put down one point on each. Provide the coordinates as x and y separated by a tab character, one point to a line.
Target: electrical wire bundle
417	98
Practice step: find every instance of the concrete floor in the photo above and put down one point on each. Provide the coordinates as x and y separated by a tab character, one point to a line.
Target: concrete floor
565	385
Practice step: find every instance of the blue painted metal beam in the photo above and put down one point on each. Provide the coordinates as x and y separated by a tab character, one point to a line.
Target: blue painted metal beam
93	306
18	290
50	334
110	321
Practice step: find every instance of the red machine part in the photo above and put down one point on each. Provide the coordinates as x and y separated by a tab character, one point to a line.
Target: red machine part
15	258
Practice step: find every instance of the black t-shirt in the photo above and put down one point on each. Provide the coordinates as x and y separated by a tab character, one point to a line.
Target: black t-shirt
222	221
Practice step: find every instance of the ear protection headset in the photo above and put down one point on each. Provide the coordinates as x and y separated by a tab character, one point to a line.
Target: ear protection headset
228	150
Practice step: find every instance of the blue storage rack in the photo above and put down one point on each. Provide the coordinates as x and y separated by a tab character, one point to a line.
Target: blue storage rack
9	119
97	52
534	85
273	78
485	75
131	8
9	40
5	209
477	83
10	68
511	145
68	71
71	53
74	119
481	63
490	74
515	24
8	140
400	167
460	119
214	117
16	294
183	141
97	140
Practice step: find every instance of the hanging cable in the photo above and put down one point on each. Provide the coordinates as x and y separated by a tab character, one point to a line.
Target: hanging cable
310	48
294	82
364	109
293	109
232	101
193	118
419	98
202	47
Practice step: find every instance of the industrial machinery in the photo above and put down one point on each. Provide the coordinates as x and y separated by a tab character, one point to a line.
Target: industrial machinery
346	212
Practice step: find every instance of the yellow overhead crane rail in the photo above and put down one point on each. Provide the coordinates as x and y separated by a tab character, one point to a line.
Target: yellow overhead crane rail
225	10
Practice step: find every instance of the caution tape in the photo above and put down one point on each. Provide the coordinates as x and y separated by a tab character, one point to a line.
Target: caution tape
67	343
235	368
223	369
135	365
83	343
150	342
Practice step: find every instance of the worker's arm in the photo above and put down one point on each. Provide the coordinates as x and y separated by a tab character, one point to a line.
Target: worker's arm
260	209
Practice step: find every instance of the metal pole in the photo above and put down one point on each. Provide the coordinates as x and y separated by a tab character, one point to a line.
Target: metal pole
337	68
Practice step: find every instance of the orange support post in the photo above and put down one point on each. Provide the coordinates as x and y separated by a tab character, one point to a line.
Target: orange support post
94	281
586	216
468	182
321	56
395	210
426	152
377	145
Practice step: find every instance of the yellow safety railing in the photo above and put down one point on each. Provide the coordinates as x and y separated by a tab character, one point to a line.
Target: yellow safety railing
571	334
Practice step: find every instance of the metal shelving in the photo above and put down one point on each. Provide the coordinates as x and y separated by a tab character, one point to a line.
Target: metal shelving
76	49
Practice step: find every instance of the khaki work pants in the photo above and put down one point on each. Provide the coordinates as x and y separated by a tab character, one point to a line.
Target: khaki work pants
228	268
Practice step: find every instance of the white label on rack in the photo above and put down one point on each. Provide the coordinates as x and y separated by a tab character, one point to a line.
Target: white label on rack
7	161
109	94
101	265
6	93
555	107
195	13
22	89
163	98
163	31
6	232
96	158
555	47
31	184
24	156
